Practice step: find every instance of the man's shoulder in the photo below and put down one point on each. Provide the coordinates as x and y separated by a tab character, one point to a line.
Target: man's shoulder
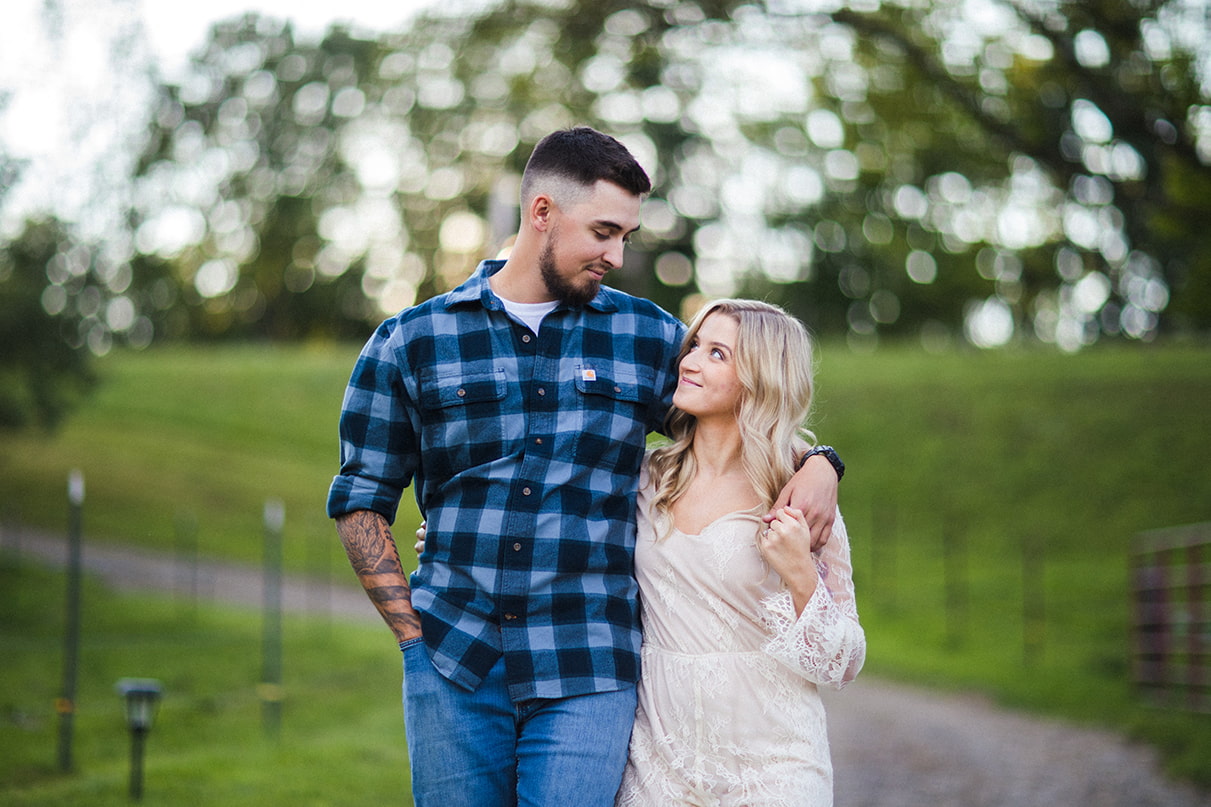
466	297
421	315
615	300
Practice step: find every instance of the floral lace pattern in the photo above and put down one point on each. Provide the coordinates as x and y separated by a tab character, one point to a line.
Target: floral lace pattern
729	712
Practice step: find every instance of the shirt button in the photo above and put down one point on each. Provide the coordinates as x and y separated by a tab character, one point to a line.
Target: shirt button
510	616
617	389
462	393
542	391
538	441
525	491
517	547
525	337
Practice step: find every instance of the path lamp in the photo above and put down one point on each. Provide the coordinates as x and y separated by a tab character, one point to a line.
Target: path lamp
141	696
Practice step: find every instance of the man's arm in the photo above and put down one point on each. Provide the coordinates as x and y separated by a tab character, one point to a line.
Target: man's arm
813	491
373	555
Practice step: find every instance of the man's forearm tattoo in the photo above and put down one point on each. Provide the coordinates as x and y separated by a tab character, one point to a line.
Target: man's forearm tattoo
373	555
368	544
386	594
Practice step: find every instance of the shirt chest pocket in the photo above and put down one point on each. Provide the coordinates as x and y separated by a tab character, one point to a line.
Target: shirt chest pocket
614	404
462	417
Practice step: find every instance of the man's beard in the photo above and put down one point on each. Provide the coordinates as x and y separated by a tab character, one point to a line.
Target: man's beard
559	286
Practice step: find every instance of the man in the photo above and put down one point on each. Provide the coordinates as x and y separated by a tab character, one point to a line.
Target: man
519	404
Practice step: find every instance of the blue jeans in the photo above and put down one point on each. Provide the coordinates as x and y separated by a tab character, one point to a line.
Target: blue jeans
479	749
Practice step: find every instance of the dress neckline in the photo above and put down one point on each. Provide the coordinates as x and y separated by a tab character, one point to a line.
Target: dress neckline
752	512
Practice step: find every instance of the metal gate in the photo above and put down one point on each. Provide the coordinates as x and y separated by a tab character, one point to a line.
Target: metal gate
1171	617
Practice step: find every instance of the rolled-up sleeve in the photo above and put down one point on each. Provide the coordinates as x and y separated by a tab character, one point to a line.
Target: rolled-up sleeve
379	445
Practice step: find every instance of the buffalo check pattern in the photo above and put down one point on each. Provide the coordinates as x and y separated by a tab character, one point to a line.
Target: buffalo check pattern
523	451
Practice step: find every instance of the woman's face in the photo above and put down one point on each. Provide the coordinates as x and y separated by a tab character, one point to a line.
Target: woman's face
709	385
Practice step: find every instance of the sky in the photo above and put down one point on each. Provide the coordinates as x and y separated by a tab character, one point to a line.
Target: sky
175	29
66	109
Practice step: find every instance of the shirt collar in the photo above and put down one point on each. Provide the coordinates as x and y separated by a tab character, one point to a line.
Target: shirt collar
477	289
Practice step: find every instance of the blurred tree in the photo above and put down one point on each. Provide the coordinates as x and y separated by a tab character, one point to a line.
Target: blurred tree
241	175
72	106
1062	150
994	170
45	363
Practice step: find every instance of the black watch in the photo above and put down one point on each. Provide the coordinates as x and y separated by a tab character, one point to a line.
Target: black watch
830	454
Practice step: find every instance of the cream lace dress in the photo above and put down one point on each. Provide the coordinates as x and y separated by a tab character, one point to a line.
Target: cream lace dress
729	713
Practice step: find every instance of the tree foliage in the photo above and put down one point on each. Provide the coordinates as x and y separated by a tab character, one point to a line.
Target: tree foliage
44	363
1038	170
994	171
1105	104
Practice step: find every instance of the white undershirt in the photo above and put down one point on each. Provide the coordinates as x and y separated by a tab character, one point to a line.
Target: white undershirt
529	313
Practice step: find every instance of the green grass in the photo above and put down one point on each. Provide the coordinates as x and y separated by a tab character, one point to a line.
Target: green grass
340	729
1030	466
1009	458
182	442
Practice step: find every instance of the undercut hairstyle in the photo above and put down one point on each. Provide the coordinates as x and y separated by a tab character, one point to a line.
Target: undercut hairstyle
774	364
573	160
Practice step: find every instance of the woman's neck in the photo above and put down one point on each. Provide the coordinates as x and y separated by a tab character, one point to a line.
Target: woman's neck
717	447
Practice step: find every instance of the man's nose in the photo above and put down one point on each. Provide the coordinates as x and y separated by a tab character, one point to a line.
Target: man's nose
614	253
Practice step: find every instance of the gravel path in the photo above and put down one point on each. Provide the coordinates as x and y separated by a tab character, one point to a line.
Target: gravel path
893	745
899	746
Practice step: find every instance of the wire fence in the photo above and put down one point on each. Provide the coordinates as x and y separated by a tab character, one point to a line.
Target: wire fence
1171	616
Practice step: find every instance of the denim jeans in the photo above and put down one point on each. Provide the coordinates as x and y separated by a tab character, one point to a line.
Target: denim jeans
479	749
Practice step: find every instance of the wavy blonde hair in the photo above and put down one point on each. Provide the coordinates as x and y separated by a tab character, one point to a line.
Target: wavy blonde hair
774	364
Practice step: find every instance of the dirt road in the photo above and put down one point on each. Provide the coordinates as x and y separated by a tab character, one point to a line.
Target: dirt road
893	745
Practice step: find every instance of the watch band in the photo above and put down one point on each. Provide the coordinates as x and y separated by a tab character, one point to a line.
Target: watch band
830	454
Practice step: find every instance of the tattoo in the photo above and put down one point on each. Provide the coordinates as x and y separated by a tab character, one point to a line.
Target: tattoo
369	544
374	557
385	594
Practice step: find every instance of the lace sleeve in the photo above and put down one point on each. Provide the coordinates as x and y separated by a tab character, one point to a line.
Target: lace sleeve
825	644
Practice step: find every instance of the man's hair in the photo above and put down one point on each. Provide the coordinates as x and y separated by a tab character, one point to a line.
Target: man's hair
582	156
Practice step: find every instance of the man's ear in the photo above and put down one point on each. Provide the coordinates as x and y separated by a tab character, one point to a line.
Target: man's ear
540	211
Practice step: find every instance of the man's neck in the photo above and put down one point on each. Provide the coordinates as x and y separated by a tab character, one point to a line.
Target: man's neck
519	283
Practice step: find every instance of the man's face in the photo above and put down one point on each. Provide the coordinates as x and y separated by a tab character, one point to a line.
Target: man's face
586	240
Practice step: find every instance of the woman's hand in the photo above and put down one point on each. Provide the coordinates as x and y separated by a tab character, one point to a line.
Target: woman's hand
813	491
786	545
419	546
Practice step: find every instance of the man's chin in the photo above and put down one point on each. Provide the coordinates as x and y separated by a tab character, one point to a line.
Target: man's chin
582	296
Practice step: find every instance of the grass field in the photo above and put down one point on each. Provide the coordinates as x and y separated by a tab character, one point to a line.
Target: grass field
339	733
992	499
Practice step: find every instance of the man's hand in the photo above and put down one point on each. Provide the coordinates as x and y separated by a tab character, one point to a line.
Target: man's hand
372	553
813	492
419	546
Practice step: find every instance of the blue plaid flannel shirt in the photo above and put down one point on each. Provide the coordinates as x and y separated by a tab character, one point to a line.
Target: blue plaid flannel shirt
525	451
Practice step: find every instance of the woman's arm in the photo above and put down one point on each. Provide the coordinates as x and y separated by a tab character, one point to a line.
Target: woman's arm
819	637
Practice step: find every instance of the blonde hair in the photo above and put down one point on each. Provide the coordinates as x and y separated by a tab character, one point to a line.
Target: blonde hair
773	355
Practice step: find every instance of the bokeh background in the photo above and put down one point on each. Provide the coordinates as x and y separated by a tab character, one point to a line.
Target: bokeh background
972	171
995	216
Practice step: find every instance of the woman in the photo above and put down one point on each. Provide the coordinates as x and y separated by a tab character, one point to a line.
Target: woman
741	622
